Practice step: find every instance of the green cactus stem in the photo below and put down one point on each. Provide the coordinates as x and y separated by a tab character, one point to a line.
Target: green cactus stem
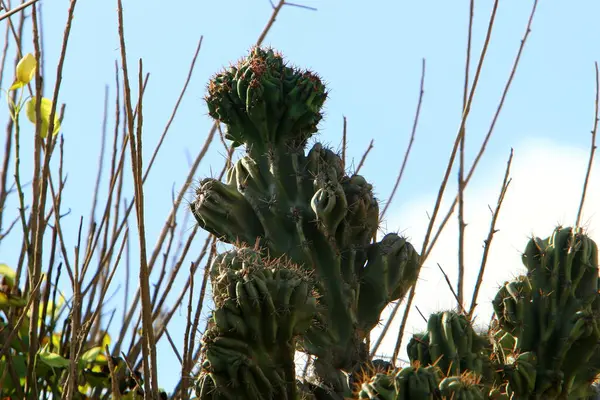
553	315
299	204
452	344
464	387
264	102
391	270
261	306
409	383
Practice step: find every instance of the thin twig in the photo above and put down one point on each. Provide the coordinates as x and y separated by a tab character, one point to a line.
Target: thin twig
175	108
172	343
18	8
419	311
116	393
187	344
135	141
276	9
461	170
267	28
592	151
344	143
300	6
36	217
411	141
442	189
100	160
451	288
492	231
491	129
385	329
364	157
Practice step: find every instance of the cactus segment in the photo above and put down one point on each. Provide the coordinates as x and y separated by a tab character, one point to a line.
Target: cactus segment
408	383
261	306
391	270
551	316
317	280
263	102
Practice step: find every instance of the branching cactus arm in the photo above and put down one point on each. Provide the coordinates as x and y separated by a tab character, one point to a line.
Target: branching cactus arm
545	340
261	307
301	205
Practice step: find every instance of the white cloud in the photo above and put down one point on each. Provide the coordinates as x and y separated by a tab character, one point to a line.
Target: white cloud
545	191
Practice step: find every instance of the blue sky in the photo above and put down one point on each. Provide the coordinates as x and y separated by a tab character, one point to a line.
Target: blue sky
370	56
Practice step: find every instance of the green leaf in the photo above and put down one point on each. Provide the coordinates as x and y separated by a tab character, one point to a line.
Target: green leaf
52	359
45	109
16	301
9	274
91	355
18	362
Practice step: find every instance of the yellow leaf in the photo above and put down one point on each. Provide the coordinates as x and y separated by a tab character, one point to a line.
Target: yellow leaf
105	340
9	274
25	71
45	109
3	299
56	340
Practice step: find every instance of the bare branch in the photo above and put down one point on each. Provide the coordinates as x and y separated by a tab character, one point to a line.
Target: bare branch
488	241
592	151
410	143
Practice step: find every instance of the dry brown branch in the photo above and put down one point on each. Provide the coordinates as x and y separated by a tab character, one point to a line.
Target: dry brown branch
116	393
492	126
490	237
451	288
592	151
442	189
135	143
175	108
185	366
411	141
35	252
4	54
18	8
364	157
426	250
419	311
461	169
344	143
276	9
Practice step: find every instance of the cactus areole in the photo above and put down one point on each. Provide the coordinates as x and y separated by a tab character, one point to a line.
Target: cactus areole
306	275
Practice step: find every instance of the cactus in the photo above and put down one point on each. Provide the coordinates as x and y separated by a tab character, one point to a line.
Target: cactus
285	206
407	383
553	314
544	342
260	308
308	275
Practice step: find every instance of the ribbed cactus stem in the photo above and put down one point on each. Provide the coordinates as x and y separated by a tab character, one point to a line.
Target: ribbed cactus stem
302	206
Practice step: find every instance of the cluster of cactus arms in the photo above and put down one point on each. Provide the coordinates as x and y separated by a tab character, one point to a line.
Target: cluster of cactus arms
306	274
543	343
